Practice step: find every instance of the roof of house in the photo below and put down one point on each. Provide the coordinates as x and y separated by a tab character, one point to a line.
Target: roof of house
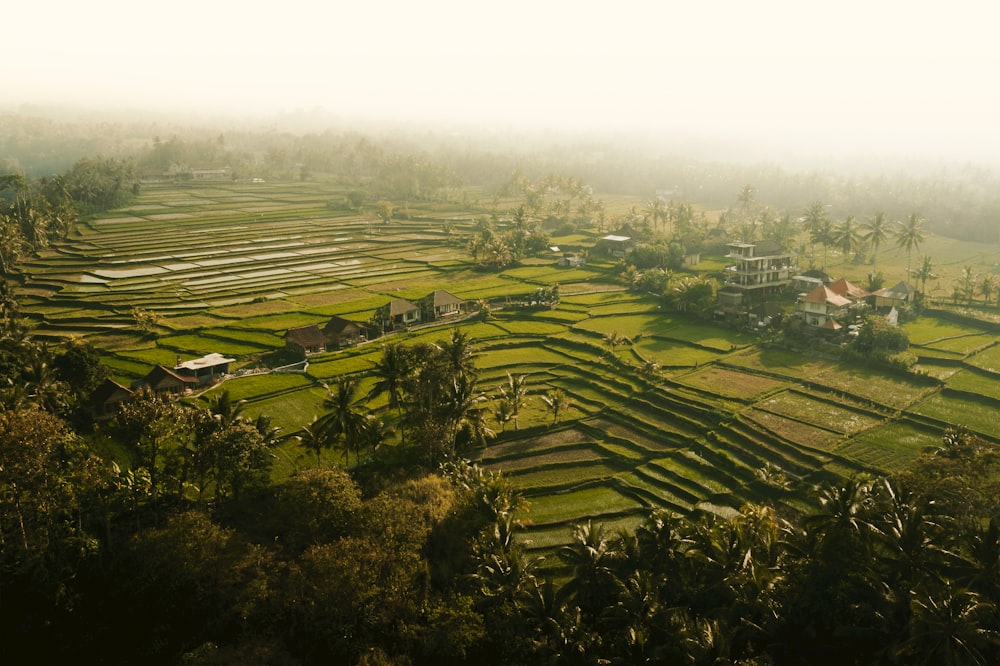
160	376
306	336
831	325
767	248
901	291
817	273
616	239
401	307
339	325
442	297
848	289
207	361
109	390
823	294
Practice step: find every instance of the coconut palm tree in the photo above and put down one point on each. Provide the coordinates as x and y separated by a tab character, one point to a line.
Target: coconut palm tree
458	351
613	340
312	438
225	410
951	627
515	393
909	236
813	221
847	236
344	419
876	232
987	286
390	372
923	274
557	402
592	558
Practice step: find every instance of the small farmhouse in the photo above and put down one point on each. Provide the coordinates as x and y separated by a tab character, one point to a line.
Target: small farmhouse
206	369
441	304
340	332
616	245
305	340
163	381
572	260
398	314
893	296
107	398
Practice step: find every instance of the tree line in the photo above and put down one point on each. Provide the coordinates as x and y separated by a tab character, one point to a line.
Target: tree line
34	213
958	201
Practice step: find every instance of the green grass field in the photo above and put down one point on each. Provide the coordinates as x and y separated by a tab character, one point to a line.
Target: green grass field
229	268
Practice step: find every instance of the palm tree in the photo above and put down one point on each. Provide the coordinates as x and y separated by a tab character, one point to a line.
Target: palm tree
458	350
650	369
909	236
515	394
656	210
502	414
390	372
312	438
823	234
847	236
464	414
344	419
951	628
923	274
557	401
967	283
374	433
613	340
225	410
592	557
876	233
813	221
987	286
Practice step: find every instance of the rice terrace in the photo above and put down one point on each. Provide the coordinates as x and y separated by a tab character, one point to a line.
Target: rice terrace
681	412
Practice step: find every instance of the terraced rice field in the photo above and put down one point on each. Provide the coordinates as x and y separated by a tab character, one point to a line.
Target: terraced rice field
230	267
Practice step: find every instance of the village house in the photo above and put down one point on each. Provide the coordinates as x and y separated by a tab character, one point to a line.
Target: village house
572	260
163	381
204	370
107	398
821	308
340	332
849	290
441	304
399	313
616	245
305	340
893	297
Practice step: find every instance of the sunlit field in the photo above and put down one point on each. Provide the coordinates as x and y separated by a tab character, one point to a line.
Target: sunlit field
684	414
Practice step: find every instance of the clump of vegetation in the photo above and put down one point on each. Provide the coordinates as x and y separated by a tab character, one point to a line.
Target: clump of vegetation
883	342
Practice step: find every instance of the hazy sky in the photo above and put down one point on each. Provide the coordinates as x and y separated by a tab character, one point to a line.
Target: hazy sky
870	75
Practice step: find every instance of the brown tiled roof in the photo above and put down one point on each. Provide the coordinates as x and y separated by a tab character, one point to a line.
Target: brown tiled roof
848	289
823	294
306	336
160	376
338	325
108	391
